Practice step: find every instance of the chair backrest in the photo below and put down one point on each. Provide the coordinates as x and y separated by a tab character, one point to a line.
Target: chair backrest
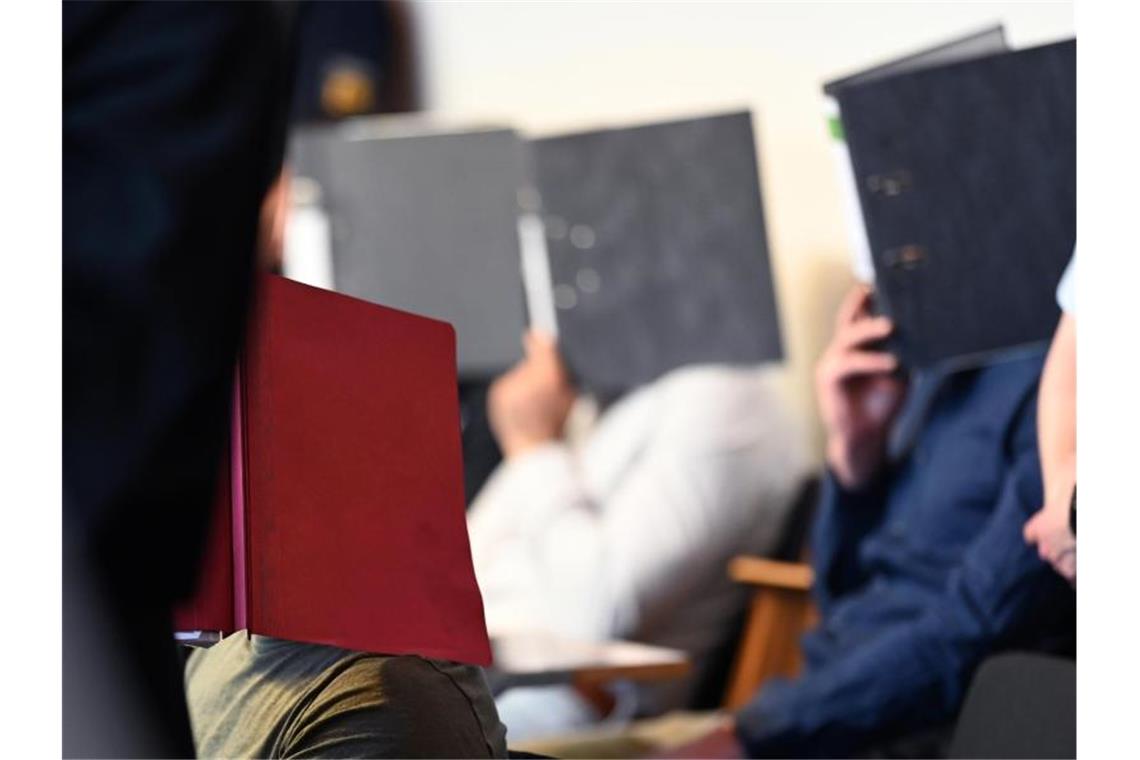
712	672
797	525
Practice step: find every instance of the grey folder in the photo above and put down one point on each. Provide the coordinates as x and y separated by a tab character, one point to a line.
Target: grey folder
967	181
657	248
427	223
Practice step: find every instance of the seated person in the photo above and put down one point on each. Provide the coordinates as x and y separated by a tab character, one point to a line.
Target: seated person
1025	705
255	696
921	570
625	530
1053	529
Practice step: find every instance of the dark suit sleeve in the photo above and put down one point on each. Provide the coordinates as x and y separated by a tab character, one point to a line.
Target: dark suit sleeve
844	519
172	130
914	674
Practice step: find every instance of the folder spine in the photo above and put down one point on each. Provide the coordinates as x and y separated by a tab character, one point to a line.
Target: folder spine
238	466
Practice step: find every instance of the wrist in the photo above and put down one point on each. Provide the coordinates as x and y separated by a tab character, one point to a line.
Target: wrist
519	443
1060	479
854	464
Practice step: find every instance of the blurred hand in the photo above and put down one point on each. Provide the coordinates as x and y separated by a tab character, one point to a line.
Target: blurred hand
528	405
271	227
858	394
1049	529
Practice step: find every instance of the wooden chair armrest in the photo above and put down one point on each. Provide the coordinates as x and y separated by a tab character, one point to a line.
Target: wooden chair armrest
780	611
756	571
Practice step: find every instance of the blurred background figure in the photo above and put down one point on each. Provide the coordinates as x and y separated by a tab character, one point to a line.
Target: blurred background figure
621	526
173	129
1053	530
354	57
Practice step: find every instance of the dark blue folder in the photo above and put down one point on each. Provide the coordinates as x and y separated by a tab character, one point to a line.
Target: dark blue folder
967	181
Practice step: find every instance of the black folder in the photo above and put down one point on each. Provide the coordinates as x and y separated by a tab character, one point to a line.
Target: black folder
426	220
988	41
657	248
966	176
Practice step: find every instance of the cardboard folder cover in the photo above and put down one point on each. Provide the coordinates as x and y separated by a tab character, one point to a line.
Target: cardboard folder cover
986	41
426	221
967	183
657	249
343	521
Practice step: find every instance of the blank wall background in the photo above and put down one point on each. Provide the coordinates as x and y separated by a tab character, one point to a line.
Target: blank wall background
551	66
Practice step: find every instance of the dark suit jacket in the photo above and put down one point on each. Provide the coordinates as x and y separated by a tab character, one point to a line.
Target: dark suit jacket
173	127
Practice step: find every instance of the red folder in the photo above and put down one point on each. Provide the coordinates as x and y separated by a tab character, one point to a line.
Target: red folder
341	517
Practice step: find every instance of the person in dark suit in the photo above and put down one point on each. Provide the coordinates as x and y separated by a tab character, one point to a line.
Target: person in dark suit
921	569
354	57
173	129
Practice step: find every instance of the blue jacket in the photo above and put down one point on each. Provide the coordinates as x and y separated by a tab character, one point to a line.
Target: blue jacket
921	575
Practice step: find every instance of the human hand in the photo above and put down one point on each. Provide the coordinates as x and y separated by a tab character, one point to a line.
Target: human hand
857	393
1049	529
271	224
528	405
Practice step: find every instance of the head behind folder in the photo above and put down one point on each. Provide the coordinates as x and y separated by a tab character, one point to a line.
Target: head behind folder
657	250
967	203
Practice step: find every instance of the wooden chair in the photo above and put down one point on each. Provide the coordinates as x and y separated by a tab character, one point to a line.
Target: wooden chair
780	611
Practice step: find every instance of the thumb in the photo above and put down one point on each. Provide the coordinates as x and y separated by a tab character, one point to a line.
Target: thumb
1029	532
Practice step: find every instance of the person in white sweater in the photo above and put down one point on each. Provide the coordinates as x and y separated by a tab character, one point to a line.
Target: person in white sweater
623	528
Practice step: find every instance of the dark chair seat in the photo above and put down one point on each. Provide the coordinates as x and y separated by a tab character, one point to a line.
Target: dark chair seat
1019	705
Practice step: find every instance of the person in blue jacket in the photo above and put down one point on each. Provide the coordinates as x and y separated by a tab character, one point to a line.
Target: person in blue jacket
921	568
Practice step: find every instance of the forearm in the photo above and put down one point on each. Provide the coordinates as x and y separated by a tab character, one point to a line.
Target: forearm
836	711
854	464
537	546
844	518
1056	413
998	590
525	491
600	568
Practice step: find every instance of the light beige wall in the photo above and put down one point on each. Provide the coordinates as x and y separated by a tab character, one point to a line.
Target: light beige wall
551	66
